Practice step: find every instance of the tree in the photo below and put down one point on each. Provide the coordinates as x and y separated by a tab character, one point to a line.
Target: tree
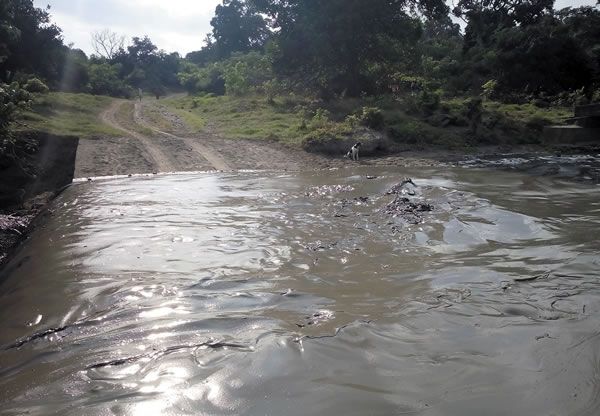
106	43
541	58
484	17
207	54
237	27
583	25
104	80
336	46
74	73
142	51
29	43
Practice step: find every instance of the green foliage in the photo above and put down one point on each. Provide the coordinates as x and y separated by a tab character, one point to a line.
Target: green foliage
104	80
13	99
489	88
352	120
246	73
239	75
29	43
237	27
372	117
429	101
320	44
206	79
320	119
68	114
271	89
35	85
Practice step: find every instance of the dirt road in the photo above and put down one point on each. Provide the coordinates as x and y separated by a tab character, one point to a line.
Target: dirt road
172	146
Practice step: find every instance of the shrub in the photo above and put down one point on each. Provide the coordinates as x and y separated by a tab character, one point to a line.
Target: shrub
352	120
489	88
372	117
13	99
246	73
271	88
428	101
35	85
320	119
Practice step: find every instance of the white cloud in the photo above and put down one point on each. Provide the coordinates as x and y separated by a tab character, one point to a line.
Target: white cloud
174	25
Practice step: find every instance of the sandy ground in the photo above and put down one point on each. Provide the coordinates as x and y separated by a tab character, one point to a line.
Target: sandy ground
178	149
146	148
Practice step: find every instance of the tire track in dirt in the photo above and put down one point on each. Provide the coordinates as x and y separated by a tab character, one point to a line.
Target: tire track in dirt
160	160
205	151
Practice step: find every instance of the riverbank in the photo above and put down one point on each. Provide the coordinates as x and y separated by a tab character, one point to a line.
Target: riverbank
41	166
184	133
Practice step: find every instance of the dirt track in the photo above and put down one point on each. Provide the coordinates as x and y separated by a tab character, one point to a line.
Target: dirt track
146	148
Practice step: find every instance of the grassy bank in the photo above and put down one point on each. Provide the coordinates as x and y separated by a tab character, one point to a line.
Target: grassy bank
406	123
68	114
249	117
400	123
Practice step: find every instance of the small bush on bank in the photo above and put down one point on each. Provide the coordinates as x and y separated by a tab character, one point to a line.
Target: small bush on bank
372	117
36	86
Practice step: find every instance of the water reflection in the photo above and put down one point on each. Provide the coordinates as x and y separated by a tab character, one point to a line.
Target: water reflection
299	294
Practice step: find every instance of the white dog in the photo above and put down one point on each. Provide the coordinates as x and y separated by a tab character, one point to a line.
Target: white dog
353	153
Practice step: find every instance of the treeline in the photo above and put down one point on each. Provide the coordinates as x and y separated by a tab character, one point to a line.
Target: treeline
32	47
509	49
331	48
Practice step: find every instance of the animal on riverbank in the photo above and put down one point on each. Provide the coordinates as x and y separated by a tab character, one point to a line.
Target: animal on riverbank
353	152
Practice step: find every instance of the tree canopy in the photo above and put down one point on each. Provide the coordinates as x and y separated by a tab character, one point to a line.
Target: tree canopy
328	48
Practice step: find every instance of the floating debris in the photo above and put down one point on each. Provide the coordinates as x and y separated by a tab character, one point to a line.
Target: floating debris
404	208
398	188
530	278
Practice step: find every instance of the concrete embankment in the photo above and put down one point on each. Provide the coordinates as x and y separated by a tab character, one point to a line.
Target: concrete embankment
41	166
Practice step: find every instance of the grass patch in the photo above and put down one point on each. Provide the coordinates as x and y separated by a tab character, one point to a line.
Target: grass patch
295	120
193	119
125	118
527	113
68	114
249	117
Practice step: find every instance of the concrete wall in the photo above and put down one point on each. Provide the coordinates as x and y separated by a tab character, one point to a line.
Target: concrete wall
565	135
46	170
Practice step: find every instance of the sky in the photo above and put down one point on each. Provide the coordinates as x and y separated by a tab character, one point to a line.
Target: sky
172	25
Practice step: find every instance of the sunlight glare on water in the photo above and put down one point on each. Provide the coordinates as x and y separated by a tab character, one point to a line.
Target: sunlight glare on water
307	293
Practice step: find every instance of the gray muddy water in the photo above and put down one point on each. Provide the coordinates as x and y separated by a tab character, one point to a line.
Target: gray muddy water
474	293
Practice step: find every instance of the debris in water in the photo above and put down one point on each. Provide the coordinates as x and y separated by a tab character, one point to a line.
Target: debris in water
530	278
397	189
410	212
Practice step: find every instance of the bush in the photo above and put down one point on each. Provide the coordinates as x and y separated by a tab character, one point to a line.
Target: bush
352	120
208	79
35	85
428	102
320	119
13	99
489	88
246	73
271	88
104	80
372	117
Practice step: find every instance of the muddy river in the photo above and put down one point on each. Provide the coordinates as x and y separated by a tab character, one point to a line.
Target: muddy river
476	292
